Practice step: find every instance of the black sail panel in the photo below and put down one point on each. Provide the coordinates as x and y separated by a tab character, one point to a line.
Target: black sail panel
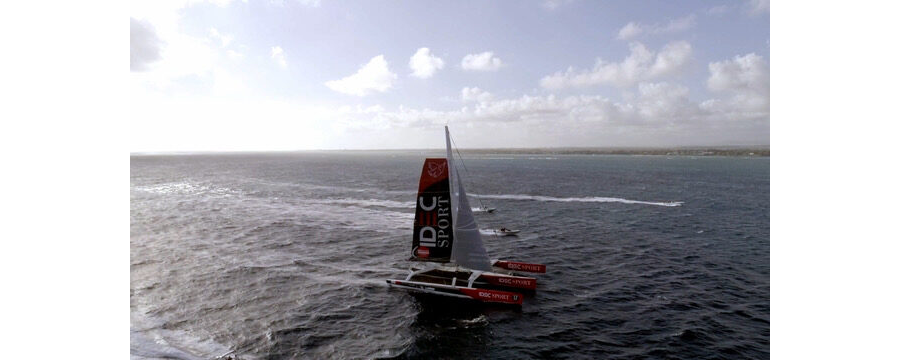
433	226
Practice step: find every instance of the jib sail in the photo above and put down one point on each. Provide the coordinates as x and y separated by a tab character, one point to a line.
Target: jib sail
469	250
433	226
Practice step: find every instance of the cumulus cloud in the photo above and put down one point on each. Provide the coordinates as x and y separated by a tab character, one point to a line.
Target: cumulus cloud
374	76
630	30
224	39
748	72
633	29
485	61
424	64
656	107
474	94
745	79
640	65
145	45
278	56
234	55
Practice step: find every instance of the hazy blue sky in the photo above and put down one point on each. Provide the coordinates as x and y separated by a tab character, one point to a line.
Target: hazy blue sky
283	75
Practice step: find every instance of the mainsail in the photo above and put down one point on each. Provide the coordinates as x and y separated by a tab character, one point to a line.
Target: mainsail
468	249
445	229
433	226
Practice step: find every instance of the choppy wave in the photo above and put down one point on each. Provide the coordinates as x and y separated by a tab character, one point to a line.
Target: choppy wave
285	257
150	340
593	199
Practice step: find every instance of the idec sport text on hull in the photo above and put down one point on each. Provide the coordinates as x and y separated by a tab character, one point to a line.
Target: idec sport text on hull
437	229
524	267
513	281
495	296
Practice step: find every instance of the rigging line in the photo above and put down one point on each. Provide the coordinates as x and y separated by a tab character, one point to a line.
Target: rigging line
463	161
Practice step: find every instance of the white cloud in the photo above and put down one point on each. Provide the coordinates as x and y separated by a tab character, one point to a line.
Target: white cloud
640	65
182	55
630	30
660	103
145	45
474	94
310	3
313	3
553	4
745	79
374	76
192	97
633	29
224	39
424	64
278	56
748	72
234	55
718	10
659	114
757	6
485	61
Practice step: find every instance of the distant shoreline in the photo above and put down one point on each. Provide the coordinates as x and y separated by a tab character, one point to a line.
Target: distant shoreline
754	151
678	151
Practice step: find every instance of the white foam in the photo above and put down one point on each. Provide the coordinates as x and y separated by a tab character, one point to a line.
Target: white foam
481	319
374	202
595	199
187	188
150	341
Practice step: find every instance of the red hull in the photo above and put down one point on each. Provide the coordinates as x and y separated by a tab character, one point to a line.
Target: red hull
510	281
520	266
483	295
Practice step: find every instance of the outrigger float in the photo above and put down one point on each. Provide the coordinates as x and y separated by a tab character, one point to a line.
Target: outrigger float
448	245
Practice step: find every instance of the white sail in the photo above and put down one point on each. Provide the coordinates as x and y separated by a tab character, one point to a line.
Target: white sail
454	193
468	249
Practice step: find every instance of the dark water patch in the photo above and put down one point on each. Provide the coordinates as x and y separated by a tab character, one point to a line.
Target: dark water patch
270	256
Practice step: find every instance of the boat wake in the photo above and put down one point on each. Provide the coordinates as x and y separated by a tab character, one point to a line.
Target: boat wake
594	199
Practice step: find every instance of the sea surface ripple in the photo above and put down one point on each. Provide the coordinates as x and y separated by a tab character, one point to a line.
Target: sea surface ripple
284	255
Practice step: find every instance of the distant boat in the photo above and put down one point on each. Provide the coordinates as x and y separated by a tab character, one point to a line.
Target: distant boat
483	209
505	232
447	244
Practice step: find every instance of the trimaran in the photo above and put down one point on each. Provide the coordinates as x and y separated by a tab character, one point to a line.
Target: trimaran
448	245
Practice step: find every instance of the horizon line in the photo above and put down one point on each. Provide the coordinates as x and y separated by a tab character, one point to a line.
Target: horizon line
551	148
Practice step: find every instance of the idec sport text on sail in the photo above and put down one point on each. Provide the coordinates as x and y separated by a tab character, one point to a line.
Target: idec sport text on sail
433	228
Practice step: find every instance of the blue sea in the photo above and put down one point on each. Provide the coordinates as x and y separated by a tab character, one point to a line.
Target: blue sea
284	255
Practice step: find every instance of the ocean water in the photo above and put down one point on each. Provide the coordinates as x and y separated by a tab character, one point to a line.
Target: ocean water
284	255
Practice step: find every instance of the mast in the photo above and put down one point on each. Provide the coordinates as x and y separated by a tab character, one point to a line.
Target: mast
454	194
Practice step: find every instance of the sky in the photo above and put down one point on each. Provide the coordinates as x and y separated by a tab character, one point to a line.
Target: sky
267	75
